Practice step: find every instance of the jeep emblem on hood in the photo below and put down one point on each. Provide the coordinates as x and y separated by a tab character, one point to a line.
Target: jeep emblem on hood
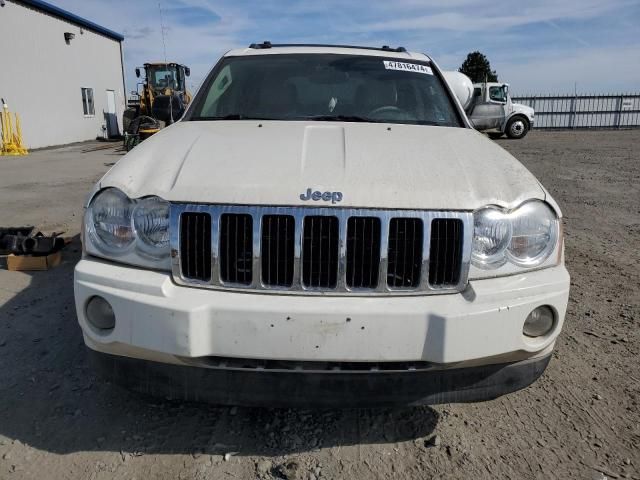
333	197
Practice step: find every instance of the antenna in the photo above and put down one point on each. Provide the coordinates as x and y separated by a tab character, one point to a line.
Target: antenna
164	45
164	48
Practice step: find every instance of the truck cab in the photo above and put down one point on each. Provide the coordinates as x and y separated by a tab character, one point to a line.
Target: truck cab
492	110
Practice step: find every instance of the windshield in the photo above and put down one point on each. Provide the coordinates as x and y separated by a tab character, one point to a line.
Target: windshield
164	76
325	87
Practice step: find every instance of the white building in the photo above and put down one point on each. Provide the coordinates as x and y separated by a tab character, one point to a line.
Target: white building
62	74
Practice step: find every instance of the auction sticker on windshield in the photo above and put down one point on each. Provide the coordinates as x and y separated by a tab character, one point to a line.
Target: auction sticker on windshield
407	67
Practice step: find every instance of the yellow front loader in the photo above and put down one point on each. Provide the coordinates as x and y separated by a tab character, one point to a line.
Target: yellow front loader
160	99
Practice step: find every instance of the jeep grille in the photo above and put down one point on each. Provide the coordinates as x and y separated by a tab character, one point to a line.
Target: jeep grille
320	250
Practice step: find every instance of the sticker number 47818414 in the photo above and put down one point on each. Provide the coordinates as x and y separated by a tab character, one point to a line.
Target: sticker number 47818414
407	67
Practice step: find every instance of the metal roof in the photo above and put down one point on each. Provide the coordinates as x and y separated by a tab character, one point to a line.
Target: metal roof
70	17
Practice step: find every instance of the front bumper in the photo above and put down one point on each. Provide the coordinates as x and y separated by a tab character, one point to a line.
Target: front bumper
327	389
159	321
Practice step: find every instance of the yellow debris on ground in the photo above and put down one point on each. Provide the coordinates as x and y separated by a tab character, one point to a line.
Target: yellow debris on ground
11	133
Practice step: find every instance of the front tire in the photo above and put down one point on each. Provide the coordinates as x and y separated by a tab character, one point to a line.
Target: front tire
128	116
517	127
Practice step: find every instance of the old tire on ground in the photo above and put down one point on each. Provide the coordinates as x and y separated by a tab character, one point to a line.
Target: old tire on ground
517	127
495	135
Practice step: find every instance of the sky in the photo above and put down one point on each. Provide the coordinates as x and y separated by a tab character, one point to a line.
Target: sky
539	46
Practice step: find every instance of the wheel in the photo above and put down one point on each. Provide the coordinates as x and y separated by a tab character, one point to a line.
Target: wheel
127	117
495	135
130	141
517	127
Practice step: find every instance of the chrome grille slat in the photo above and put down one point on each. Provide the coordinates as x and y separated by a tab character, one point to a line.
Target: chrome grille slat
256	239
384	256
297	261
215	247
342	253
396	235
257	280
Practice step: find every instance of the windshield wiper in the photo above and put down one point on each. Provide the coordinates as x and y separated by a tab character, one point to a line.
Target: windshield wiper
232	116
341	118
319	118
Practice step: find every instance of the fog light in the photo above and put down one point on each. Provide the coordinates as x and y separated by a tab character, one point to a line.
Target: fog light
539	322
100	314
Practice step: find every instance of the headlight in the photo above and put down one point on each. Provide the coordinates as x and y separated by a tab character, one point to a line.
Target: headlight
109	217
491	236
524	237
534	234
130	231
151	226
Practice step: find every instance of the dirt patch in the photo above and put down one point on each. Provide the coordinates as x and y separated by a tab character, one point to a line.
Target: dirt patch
580	420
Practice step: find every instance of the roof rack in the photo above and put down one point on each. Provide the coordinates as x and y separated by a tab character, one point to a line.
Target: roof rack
267	44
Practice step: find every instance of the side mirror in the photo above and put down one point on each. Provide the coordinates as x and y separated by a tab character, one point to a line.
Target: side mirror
187	71
138	72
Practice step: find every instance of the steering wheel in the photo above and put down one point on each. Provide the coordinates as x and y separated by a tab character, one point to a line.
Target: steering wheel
386	109
395	113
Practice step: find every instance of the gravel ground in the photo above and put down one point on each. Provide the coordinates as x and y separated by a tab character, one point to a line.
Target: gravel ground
580	420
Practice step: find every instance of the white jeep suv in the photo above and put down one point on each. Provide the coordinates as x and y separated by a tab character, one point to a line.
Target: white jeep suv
323	227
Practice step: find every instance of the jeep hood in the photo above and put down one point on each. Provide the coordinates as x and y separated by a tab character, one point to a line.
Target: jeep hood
373	165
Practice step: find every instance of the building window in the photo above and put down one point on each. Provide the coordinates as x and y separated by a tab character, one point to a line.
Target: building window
87	102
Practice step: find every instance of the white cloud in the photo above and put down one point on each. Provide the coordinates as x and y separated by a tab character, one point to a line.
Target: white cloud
591	69
541	45
473	16
196	46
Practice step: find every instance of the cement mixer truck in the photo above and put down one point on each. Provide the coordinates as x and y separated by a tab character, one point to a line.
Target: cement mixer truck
489	107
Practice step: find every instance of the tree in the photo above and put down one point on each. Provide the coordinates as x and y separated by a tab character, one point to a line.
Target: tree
478	68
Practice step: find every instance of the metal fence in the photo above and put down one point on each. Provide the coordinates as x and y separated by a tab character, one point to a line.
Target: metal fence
584	111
